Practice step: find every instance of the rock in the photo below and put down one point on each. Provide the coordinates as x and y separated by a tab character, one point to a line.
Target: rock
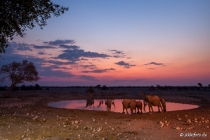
179	119
135	133
189	121
206	121
76	122
178	128
196	119
99	129
186	116
118	134
207	127
44	120
190	128
162	125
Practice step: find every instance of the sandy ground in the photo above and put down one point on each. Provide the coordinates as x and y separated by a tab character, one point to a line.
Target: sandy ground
26	116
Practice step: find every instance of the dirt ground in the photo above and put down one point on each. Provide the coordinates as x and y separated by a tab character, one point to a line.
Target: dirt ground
26	116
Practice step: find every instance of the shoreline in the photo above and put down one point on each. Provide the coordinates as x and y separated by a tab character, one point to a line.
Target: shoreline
26	116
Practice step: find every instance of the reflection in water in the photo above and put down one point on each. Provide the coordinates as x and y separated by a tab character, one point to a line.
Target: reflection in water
116	105
90	103
101	102
108	104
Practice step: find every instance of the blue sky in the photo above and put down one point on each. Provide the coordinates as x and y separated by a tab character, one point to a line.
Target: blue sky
120	42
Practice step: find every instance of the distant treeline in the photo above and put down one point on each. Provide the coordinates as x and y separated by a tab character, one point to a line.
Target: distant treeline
23	87
179	88
104	87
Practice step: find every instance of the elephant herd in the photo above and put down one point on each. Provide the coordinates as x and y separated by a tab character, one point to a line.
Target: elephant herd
150	100
135	106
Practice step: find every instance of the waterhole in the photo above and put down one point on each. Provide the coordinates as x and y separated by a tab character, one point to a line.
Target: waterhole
116	106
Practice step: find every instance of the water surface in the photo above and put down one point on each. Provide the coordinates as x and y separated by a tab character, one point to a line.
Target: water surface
117	107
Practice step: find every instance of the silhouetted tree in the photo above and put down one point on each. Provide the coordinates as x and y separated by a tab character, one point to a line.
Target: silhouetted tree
98	86
152	88
18	15
19	73
104	87
38	87
15	88
2	88
200	85
23	87
90	90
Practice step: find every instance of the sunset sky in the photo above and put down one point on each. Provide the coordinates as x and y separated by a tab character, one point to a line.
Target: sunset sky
120	42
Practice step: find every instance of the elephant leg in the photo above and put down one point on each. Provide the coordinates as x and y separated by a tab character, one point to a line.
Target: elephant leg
152	109
149	107
159	108
131	111
126	110
123	110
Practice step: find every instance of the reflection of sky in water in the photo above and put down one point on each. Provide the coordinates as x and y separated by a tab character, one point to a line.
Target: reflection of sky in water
81	104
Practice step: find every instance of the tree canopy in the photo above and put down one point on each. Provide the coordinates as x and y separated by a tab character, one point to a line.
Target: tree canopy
18	15
19	73
200	85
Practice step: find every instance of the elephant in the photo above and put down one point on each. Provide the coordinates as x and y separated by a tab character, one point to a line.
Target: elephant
152	100
126	105
139	106
90	91
90	102
108	103
149	106
100	103
163	102
132	104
